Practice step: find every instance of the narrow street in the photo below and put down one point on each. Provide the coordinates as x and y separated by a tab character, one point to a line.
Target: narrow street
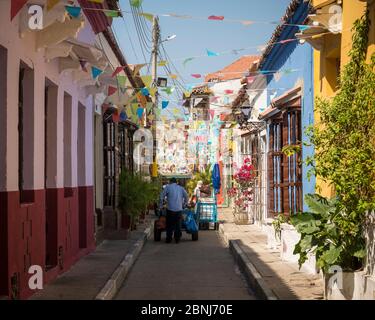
189	270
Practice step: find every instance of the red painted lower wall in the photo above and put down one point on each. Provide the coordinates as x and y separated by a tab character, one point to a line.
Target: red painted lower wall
53	231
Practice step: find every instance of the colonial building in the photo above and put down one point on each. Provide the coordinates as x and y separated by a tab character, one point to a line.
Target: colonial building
48	97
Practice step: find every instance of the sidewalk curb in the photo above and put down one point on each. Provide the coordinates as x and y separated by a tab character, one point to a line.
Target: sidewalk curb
118	276
253	277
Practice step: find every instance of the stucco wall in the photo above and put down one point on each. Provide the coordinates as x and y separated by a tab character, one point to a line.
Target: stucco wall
24	50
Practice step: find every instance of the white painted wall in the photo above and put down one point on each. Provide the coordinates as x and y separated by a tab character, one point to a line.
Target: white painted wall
23	49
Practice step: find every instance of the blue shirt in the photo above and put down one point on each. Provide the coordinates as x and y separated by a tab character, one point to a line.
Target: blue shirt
175	197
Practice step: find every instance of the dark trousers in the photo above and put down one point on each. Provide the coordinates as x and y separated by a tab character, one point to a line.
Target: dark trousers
174	224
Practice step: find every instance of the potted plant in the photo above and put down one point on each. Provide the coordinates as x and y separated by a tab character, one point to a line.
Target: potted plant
242	193
134	195
336	240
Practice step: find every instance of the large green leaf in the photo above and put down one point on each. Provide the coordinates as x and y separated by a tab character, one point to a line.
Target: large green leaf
318	204
331	256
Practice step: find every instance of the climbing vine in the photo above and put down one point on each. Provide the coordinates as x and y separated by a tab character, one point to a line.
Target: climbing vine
345	145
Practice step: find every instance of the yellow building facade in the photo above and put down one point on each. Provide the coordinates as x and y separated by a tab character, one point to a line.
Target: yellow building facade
332	41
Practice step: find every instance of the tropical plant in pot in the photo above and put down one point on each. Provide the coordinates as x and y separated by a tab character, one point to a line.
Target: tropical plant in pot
242	190
135	195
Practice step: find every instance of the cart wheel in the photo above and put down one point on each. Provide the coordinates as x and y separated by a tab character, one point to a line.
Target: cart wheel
216	225
194	236
157	233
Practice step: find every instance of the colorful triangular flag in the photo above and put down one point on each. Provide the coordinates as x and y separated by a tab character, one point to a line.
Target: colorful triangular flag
186	61
16	6
117	71
83	65
121	80
112	13
148	16
196	75
147	80
220	18
136	3
145	92
164	104
211	53
111	90
51	4
96	72
140	112
162	63
73	11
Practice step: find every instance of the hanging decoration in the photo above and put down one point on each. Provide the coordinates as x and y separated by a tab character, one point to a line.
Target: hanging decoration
111	90
211	53
16	6
96	72
186	61
51	4
196	75
164	104
121	80
140	112
147	80
112	13
147	16
74	12
145	92
162	63
123	116
220	18
136	3
117	71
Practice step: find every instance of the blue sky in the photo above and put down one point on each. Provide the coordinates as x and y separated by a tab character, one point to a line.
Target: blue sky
194	36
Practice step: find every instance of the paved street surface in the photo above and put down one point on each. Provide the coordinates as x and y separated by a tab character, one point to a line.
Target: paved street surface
189	270
86	278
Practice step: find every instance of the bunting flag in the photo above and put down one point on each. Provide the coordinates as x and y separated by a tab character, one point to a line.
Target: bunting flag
196	75
176	111
152	91
136	3
112	13
147	80
303	28
173	76
149	106
96	1
179	16
247	22
168	90
287	71
140	112
51	4
121	80
164	104
117	71
214	99
220	18
228	91
211	53
96	72
16	6
157	112
277	76
83	65
287	40
162	63
134	108
145	92
250	80
186	61
212	113
148	16
111	90
187	94
73	11
137	68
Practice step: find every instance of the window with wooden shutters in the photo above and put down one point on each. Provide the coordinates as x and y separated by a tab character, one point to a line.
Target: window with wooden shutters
285	172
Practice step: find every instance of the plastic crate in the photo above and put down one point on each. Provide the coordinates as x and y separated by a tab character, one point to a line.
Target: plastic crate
206	210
